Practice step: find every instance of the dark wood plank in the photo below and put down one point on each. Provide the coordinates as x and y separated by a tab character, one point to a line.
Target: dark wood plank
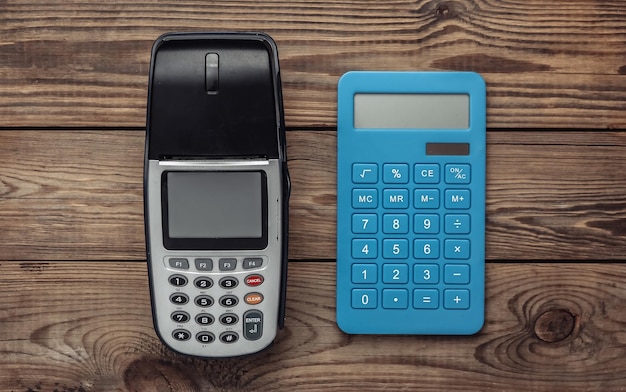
75	63
72	193
78	195
80	326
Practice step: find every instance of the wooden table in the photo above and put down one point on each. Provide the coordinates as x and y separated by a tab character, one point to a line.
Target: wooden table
74	308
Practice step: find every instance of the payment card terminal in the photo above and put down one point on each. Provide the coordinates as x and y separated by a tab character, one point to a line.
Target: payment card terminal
411	202
216	191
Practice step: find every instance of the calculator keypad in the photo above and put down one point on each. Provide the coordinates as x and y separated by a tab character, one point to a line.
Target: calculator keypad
411	184
410	236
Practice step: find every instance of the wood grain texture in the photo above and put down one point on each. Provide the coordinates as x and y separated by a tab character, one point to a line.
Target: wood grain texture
83	326
556	65
78	195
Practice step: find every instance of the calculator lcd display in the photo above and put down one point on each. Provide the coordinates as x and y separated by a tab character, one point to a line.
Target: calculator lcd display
214	209
411	111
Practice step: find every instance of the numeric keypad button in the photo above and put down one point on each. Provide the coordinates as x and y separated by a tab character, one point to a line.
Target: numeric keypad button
205	319
178	280
228	301
425	274
229	337
395	249
180	317
181	335
203	301
395	223
364	249
395	273
364	223
179	298
228	282
203	283
229	319
364	273
426	249
364	299
426	224
205	337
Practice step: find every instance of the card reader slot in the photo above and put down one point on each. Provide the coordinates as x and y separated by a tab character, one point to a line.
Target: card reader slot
211	73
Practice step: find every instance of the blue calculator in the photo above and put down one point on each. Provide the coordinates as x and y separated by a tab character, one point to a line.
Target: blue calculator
411	203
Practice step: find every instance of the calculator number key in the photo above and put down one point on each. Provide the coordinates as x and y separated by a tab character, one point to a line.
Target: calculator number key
364	223
364	273
426	224
396	249
395	273
426	249
395	224
364	249
425	274
364	299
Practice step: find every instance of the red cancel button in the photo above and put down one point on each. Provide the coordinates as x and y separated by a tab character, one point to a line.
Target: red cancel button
254	280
